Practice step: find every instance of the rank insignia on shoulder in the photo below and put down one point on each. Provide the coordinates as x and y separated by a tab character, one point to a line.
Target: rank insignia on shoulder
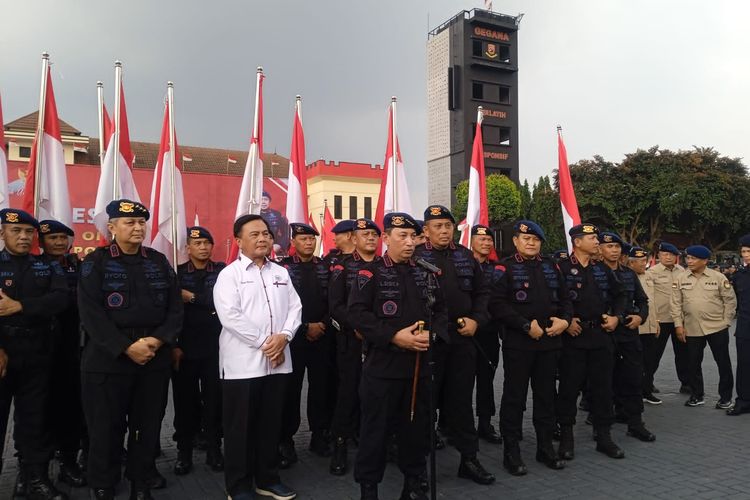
727	284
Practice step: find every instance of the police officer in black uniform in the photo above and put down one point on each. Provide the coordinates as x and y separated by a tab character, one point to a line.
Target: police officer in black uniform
455	353
628	369
530	297
741	282
131	310
588	344
387	304
195	379
343	238
278	223
66	412
32	292
344	271
488	340
311	349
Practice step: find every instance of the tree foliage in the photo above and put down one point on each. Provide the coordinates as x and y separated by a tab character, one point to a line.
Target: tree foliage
503	199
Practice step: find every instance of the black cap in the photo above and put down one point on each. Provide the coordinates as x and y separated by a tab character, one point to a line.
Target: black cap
15	216
583	230
610	237
745	241
344	226
529	227
299	229
438	212
54	227
126	208
400	220
637	253
198	232
363	223
481	230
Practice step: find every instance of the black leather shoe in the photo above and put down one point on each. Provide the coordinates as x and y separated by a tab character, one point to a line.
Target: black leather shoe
320	445
38	485
640	432
512	460
470	468
71	474
19	488
339	459
155	482
566	450
103	493
215	459
184	463
412	489
545	451
287	454
368	491
738	409
140	493
604	444
487	432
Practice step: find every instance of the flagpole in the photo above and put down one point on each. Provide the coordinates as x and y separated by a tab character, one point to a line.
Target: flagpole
253	164
172	167
100	100
394	153
298	106
40	133
116	135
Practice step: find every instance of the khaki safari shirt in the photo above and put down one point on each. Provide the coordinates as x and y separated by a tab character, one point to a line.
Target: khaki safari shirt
651	324
704	303
663	279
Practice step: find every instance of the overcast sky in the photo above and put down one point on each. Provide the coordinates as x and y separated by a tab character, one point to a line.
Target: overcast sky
617	75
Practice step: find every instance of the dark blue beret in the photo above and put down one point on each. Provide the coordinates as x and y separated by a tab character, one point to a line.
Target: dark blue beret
15	216
420	223
626	248
300	229
610	237
637	252
583	230
266	195
481	230
529	227
54	227
560	254
668	247
698	251
400	220
126	208
198	232
438	212
745	241
363	223
344	226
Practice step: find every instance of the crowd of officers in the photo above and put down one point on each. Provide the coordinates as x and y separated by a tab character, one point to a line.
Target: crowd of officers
88	348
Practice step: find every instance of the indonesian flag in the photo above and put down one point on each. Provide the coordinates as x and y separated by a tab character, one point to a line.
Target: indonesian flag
186	157
231	160
251	189
296	198
108	127
160	224
327	238
4	200
567	195
125	159
53	202
476	212
394	178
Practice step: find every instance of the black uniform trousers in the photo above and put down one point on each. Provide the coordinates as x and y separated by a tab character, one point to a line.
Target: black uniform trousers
577	365
628	380
315	357
386	408
349	364
719	344
66	408
743	373
681	357
196	391
252	410
649	343
26	383
112	402
487	362
455	366
520	367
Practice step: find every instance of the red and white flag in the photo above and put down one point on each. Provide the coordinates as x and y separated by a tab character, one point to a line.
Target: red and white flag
231	160
251	189
567	194
477	211
107	126
125	158
394	192
160	228
296	198
4	197
327	238
53	200
186	157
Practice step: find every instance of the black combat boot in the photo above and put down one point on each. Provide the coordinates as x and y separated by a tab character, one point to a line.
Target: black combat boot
368	490
412	489
512	458
215	458
140	492
184	463
545	451
320	445
70	471
566	448
638	430
470	468
486	431
339	462
19	488
287	454
604	443
38	486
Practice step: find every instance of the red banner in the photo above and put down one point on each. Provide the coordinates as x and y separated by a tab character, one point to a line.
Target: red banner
213	197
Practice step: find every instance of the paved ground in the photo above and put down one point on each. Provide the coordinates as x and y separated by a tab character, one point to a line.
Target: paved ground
699	453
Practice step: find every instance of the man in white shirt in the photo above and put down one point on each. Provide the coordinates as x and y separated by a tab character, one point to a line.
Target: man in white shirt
259	311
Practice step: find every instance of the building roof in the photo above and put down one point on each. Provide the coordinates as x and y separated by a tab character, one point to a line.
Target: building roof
30	121
344	169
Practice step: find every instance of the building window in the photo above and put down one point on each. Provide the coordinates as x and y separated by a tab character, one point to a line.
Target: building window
337	211
477	48
477	90
368	207
493	135
24	151
353	207
490	92
490	51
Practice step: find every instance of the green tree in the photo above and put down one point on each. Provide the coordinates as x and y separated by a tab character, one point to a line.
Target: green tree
525	192
546	211
503	199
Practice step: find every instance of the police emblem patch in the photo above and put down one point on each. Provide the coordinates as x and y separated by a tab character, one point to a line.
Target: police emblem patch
115	299
435	211
361	224
524	228
481	231
44	228
607	238
397	220
574	271
8	283
195	233
126	207
588	229
390	308
521	295
11	217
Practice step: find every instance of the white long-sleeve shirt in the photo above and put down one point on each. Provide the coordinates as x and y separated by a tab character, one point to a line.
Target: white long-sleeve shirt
252	303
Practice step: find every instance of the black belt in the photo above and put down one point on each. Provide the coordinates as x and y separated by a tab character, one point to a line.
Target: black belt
137	333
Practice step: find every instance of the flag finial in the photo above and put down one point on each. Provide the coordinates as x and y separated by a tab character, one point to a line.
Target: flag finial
260	69
170	84
559	128
393	98
118	64
45	55
99	83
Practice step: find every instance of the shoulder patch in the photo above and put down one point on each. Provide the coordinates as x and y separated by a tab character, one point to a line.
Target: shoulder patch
363	277
727	284
499	267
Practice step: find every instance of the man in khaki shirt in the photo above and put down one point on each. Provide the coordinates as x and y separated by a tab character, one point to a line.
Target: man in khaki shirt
663	276
649	330
703	307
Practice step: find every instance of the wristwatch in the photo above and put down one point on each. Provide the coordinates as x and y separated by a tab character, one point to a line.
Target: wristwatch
288	337
192	299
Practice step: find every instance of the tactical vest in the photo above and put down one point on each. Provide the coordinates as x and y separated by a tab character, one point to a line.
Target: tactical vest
188	277
521	281
627	278
463	262
351	266
118	284
291	264
574	280
388	287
